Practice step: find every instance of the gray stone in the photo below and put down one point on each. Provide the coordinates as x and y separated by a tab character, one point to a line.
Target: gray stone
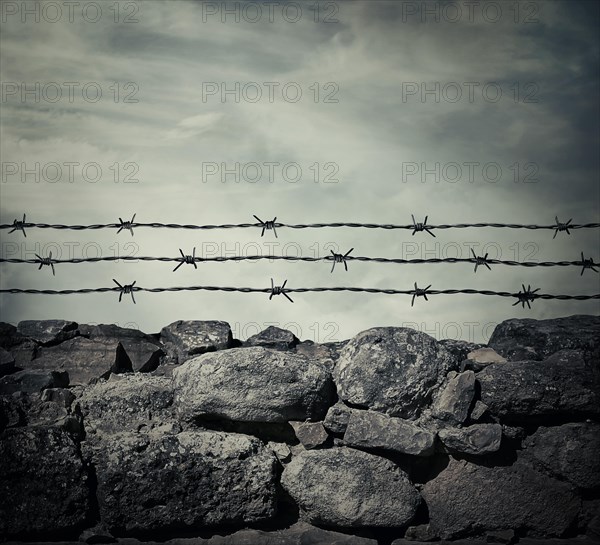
392	369
310	434
252	385
479	410
135	402
62	396
563	384
275	338
7	362
192	479
47	332
368	491
191	338
570	451
468	498
477	439
9	336
369	429
479	359
459	348
337	417
32	381
85	360
501	536
453	401
281	450
528	339
43	484
422	532
324	353
21	348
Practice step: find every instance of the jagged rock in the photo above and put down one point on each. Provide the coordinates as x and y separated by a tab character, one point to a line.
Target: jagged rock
477	439
479	410
563	384
392	369
32	381
570	451
194	478
62	396
324	353
368	491
275	338
47	332
502	536
85	360
252	385
479	359
191	338
310	434
459	348
135	402
143	351
528	339
21	348
7	362
337	417
422	532
369	429
513	432
43	484
281	450
468	498
454	399
9	336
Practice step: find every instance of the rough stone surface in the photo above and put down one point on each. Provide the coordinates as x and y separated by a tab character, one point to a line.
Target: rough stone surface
7	362
453	401
48	332
570	451
43	484
369	429
563	384
336	419
275	338
467	498
528	339
310	434
479	359
459	348
191	338
392	369
253	385
32	381
195	478
368	491
327	354
477	439
479	410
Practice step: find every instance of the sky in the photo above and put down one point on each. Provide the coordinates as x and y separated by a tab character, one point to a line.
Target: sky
350	111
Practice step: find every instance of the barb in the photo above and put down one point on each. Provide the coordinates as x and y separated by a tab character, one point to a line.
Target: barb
126	225
560	227
125	289
417	227
339	258
587	264
480	260
189	259
18	226
526	296
418	292
267	225
279	290
46	261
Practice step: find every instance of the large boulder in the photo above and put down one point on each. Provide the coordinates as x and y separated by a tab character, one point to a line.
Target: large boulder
477	439
570	451
562	385
191	479
369	429
30	381
529	339
275	338
186	339
43	483
48	332
468	498
394	370
252	385
349	488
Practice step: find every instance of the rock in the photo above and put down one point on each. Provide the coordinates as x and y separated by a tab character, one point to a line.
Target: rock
453	402
21	348
9	336
48	332
468	498
528	339
85	360
479	410
252	385
479	359
275	338
143	351
422	532
513	432
310	434
337	418
529	390
477	439
281	450
7	362
502	536
136	402
62	396
369	429
33	381
12	413
97	534
570	452
192	479
43	484
459	348
324	353
192	338
392	369
368	491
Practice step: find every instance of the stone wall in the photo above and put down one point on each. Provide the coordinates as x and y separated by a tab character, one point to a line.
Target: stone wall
111	434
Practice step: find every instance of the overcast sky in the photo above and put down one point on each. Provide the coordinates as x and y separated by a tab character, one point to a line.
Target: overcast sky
348	95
